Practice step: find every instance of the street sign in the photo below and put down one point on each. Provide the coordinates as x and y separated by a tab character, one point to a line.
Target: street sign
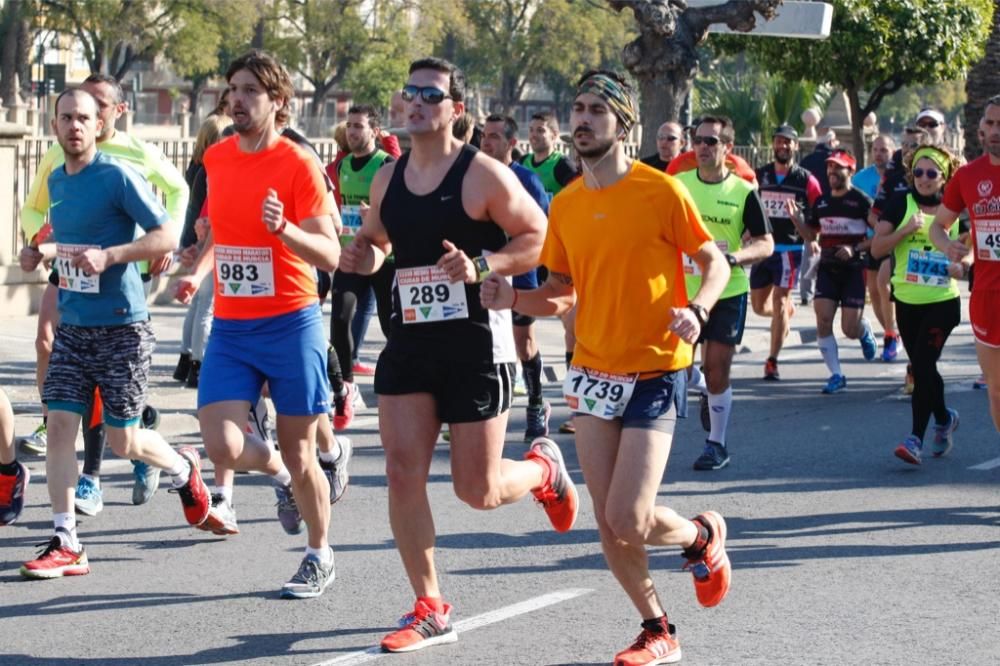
801	20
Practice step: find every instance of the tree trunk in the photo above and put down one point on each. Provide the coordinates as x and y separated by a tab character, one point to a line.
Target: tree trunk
8	53
857	126
983	82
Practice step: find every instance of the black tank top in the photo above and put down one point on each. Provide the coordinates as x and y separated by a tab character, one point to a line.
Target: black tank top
417	225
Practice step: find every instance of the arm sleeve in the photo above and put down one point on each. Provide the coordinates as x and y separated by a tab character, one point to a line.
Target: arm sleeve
199	191
36	204
140	203
754	219
166	177
894	210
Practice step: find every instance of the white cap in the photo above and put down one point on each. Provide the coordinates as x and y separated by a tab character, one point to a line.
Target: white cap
933	114
828	138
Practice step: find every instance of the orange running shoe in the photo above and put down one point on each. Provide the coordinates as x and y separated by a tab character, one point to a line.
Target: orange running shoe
57	560
421	628
558	496
651	648
712	571
771	369
343	409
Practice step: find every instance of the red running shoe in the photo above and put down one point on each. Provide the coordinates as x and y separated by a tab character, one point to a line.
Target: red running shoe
194	495
343	408
12	488
651	648
57	561
363	369
712	571
421	628
558	496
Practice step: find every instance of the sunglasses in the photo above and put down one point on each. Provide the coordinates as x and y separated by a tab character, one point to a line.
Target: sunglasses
666	137
932	174
929	124
710	141
429	94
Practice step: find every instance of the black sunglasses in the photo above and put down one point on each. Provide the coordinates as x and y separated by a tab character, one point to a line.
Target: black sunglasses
930	173
928	124
429	94
710	141
667	137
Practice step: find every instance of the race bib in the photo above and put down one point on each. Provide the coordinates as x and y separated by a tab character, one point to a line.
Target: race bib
350	216
927	268
426	294
775	203
244	271
843	226
598	393
692	268
72	278
987	240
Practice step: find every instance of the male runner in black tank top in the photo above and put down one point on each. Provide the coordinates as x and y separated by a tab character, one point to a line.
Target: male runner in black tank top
446	213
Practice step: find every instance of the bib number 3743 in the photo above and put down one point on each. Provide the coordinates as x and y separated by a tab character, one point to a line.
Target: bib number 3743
426	294
244	271
72	278
598	393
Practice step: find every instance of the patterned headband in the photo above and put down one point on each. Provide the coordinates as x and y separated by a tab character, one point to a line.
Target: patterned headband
614	93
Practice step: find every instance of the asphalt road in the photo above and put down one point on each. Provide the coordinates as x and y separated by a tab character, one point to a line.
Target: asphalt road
841	552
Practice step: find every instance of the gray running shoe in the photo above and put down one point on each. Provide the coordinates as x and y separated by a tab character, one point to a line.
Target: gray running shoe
310	580
336	472
37	442
288	510
147	480
88	500
537	421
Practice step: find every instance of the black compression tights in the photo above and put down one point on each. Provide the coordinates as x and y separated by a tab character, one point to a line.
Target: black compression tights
924	329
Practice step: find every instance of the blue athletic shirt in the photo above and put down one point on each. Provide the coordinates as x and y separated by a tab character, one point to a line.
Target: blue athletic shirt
101	205
867	180
533	184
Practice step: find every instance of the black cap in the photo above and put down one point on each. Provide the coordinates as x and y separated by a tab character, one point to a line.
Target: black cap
786	131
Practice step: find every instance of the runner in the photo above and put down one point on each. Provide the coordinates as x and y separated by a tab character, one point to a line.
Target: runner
355	173
104	339
730	209
869	180
841	219
158	170
976	188
555	171
499	140
14	476
452	216
636	327
669	144
923	285
772	280
268	325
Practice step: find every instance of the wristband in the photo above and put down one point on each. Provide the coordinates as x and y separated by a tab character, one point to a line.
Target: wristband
281	227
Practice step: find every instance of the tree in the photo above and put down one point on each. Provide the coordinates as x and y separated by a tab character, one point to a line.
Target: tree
878	46
517	42
982	84
664	58
15	55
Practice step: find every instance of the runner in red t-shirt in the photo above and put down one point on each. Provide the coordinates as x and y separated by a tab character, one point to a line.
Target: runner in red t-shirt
976	188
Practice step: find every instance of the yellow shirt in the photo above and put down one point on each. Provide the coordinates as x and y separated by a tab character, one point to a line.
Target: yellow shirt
622	247
145	158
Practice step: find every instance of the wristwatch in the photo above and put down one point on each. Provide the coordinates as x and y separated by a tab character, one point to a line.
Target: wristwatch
732	261
482	268
700	313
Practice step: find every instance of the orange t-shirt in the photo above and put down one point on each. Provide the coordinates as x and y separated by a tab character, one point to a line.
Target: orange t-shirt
257	275
622	247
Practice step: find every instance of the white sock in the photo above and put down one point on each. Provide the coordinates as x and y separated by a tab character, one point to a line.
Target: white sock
96	480
697	380
828	348
180	471
324	554
67	521
331	456
226	492
719	406
282	478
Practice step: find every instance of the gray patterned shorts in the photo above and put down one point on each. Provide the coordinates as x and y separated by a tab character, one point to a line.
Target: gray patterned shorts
114	359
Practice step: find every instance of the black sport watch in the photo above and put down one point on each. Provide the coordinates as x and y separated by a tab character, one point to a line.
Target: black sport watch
700	313
732	261
482	268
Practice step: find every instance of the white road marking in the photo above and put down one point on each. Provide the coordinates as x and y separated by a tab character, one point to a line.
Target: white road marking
491	617
986	466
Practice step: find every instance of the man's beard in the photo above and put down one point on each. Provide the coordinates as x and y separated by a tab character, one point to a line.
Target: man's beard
783	157
598	150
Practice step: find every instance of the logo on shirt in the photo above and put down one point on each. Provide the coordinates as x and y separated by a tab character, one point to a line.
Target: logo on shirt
450	311
984	188
409	314
54	204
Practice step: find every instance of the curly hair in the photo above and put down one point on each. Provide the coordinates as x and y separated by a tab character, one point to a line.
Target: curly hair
953	161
